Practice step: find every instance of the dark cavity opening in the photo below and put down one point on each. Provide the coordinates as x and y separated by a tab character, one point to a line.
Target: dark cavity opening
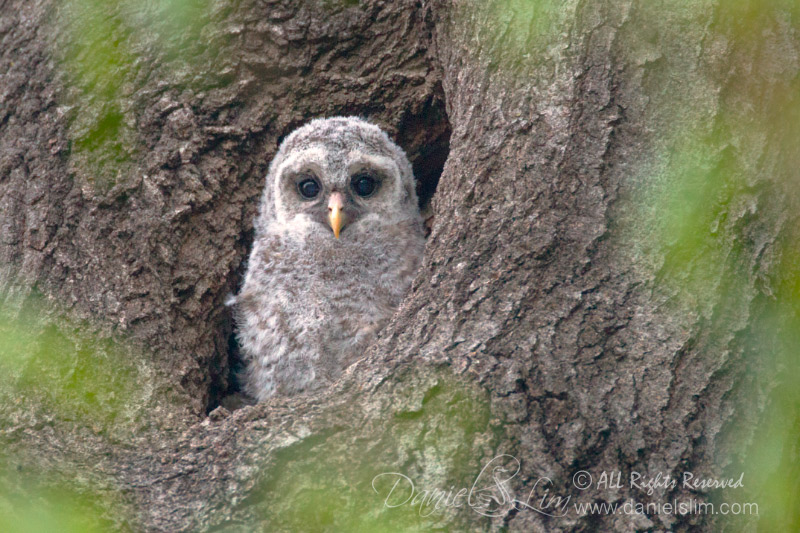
225	388
425	136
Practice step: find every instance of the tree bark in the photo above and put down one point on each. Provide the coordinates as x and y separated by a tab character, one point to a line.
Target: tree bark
582	307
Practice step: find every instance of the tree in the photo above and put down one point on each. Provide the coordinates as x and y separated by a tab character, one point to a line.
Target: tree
609	288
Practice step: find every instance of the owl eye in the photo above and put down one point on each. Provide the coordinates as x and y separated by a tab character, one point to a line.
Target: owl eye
364	185
308	188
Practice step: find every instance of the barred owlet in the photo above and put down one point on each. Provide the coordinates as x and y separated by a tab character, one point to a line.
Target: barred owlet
338	240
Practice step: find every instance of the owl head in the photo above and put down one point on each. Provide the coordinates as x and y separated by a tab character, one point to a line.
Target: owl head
336	177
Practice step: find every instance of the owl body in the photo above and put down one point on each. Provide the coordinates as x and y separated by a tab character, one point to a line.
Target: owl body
338	241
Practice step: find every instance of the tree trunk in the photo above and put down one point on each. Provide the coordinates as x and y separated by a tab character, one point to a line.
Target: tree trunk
609	287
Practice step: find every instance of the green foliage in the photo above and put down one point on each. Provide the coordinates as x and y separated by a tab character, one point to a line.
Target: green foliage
31	506
55	371
104	52
716	188
53	367
513	32
321	483
770	464
686	210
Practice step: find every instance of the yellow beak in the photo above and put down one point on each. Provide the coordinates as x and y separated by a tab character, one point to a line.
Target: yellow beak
336	216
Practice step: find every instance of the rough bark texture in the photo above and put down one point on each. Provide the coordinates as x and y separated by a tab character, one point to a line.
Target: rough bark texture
534	328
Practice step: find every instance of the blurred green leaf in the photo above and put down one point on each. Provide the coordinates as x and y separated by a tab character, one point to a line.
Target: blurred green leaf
513	32
34	506
715	189
57	367
108	51
327	485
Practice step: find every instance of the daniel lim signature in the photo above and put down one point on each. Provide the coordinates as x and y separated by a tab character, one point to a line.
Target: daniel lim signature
490	494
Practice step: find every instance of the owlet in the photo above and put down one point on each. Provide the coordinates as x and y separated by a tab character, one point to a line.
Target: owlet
338	240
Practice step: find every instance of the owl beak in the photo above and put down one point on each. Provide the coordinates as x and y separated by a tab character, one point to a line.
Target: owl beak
336	215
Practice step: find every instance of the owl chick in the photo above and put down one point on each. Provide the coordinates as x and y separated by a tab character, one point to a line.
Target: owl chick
338	240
